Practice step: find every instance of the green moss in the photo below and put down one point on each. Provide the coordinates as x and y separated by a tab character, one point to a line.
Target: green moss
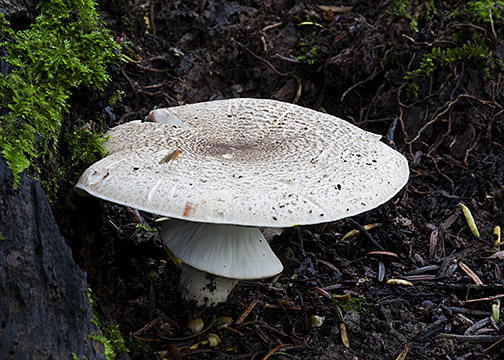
475	53
81	147
480	11
111	337
469	44
402	8
146	228
65	47
354	304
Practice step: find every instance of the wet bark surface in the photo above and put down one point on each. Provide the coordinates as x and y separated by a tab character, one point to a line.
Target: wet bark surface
350	62
44	307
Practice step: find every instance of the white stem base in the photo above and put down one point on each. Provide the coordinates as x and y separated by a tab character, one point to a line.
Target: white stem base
205	289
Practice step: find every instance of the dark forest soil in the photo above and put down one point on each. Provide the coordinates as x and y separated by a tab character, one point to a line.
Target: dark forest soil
451	133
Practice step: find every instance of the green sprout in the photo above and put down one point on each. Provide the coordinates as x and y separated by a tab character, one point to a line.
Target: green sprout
145	228
308	52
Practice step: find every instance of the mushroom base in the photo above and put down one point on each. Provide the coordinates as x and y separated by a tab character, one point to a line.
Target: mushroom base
205	289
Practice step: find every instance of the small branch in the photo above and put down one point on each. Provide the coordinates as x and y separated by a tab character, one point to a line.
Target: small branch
366	234
491	21
298	80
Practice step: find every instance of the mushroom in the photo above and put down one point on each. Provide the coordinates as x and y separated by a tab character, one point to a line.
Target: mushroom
230	252
227	167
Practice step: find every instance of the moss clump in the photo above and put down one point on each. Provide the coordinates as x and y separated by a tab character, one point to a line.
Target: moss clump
65	47
356	305
113	343
80	146
472	45
401	7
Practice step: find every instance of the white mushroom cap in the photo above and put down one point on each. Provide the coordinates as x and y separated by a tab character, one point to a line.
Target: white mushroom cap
247	162
235	252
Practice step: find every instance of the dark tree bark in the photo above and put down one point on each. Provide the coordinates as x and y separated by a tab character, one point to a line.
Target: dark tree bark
44	308
18	12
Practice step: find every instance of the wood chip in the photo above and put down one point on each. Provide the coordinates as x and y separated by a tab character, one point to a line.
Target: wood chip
335	8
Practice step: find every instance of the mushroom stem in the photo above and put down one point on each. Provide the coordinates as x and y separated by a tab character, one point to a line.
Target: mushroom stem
204	288
215	256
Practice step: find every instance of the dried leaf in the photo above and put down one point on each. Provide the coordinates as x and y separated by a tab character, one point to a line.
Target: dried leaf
433	242
497	236
497	255
470	220
398	282
344	335
214	340
470	273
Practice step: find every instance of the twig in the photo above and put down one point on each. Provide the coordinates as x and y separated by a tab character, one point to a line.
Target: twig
365	233
247	311
370	77
129	81
473	26
471	338
473	146
488	349
151	18
426	43
272	26
145	68
458	81
274	350
452	183
491	21
447	108
298	80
